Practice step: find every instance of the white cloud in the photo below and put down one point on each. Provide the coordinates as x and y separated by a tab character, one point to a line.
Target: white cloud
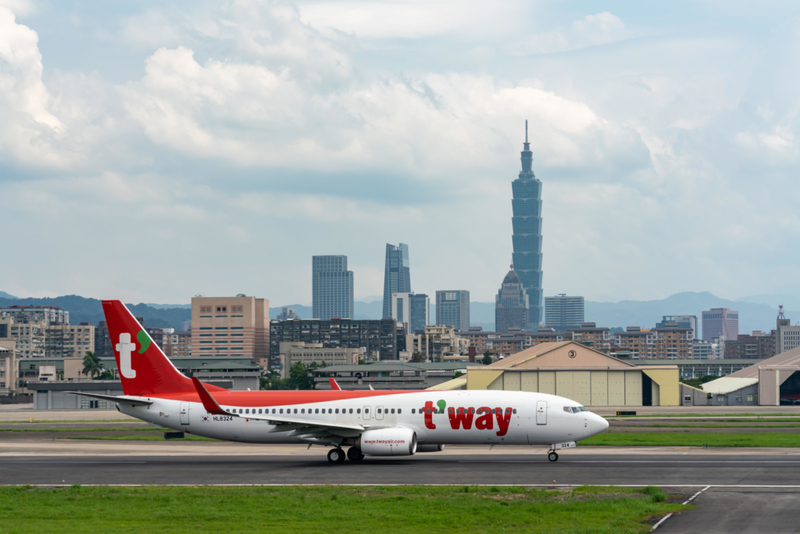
592	30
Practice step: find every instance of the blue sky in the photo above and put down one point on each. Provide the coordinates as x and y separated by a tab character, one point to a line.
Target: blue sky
152	152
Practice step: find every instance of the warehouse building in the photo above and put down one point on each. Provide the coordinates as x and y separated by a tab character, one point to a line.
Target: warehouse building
578	372
769	382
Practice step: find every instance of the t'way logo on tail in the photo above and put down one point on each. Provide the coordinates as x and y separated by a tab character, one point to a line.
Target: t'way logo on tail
125	347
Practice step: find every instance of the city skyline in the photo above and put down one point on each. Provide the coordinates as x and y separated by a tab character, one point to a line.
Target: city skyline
175	128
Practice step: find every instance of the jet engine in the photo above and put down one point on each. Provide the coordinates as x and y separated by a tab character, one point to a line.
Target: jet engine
395	441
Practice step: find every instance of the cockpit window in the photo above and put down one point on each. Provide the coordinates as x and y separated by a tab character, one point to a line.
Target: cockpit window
575	409
581	408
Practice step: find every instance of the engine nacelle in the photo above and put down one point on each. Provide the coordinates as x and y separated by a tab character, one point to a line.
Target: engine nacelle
430	447
395	441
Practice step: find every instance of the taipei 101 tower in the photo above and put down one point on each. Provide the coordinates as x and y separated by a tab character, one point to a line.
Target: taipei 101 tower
527	238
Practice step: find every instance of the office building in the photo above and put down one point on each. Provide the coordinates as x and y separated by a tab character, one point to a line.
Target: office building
48	314
750	347
591	335
382	339
412	310
527	238
29	337
787	337
286	314
703	350
511	305
292	353
684	321
437	343
231	327
69	341
332	288
452	308
563	312
720	322
397	275
180	345
673	342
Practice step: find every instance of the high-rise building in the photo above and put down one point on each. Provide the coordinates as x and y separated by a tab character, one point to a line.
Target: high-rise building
511	305
30	336
69	341
231	327
720	322
412	310
332	288
452	308
397	275
787	337
683	321
24	314
563	312
597	337
527	238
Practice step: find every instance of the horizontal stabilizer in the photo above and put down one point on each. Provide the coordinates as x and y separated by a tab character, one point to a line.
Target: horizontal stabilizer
112	398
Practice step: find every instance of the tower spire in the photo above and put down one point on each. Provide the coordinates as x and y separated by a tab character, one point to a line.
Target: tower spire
526	131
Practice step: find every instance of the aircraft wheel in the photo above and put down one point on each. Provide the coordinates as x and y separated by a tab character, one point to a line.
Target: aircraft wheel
354	454
336	456
552	456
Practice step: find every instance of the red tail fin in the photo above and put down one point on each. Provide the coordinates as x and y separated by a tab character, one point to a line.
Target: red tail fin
143	368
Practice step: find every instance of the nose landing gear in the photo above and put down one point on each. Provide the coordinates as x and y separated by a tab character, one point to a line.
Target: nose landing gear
552	456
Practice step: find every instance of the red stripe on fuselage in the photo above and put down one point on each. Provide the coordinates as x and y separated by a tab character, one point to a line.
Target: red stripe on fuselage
281	398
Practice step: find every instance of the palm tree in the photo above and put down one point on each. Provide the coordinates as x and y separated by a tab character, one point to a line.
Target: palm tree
92	364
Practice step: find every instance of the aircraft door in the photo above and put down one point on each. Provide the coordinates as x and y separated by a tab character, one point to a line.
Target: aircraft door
184	413
541	413
379	412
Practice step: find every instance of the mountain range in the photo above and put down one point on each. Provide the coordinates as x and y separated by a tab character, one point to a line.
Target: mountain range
755	313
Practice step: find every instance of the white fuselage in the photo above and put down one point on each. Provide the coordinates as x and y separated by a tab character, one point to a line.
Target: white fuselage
468	417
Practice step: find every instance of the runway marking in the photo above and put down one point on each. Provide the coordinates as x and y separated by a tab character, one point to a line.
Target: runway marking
636	462
278	485
693	497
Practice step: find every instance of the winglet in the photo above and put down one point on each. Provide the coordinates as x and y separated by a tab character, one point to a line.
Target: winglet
209	403
334	385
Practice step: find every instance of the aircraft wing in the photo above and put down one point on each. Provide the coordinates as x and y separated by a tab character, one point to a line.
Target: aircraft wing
112	398
283	424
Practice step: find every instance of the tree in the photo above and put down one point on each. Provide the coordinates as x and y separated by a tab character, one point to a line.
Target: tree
487	358
418	357
92	364
300	378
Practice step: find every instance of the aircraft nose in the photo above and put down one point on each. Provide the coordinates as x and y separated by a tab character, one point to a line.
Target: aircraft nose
597	424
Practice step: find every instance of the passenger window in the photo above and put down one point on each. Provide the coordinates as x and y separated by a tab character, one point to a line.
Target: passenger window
316	411
273	411
247	410
379	410
281	410
337	410
302	410
392	410
366	410
413	411
358	410
472	410
330	410
351	410
399	410
515	410
295	410
259	411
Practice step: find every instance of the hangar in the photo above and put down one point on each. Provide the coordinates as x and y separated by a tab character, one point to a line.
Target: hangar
769	382
578	372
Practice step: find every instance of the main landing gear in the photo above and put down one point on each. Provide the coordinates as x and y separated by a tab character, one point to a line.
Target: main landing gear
552	456
337	455
354	454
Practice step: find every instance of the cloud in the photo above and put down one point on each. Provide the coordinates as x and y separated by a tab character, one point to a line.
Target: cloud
593	30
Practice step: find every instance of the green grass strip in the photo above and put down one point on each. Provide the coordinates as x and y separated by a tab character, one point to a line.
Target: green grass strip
715	425
330	509
100	429
139	438
699	439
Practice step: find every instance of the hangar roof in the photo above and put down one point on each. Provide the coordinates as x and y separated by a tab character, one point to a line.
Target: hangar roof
788	358
565	354
728	384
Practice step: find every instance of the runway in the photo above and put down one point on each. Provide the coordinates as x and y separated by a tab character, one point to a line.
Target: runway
743	490
213	464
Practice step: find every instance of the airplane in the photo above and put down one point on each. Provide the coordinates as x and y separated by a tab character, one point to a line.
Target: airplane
368	423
